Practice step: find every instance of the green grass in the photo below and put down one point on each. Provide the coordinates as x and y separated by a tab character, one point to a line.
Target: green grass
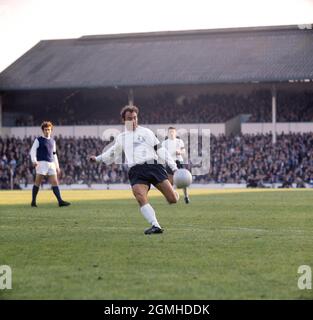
224	245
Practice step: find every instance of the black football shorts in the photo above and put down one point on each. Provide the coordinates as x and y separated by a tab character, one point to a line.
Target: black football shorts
147	174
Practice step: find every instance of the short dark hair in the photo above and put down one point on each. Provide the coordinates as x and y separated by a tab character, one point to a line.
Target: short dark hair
46	124
128	109
171	128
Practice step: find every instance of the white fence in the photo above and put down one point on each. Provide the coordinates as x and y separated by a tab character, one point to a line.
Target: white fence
120	186
286	127
97	131
215	128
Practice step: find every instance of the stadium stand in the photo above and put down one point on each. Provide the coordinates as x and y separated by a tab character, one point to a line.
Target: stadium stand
81	81
249	159
60	78
167	108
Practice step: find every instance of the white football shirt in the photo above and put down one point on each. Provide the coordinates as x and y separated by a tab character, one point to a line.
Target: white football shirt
138	146
172	145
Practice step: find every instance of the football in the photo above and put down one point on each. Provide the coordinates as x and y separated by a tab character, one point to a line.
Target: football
182	178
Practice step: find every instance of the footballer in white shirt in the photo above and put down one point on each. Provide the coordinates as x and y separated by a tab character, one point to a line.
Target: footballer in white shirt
144	155
176	148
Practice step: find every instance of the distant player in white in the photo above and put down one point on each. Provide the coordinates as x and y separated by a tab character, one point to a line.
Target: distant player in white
45	160
143	153
176	148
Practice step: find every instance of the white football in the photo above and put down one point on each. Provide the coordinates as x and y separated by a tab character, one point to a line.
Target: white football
182	178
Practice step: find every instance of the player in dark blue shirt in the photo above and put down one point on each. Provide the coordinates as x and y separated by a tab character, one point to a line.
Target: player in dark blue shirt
45	160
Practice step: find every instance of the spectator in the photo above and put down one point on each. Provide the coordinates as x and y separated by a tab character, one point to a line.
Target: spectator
250	159
171	109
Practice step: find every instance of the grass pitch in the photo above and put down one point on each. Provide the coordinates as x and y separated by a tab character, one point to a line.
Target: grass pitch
223	245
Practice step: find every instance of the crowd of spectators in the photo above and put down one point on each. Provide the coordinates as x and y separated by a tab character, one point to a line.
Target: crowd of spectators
16	167
255	159
250	159
170	108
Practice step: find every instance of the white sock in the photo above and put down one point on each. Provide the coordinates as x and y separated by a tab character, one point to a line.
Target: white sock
149	214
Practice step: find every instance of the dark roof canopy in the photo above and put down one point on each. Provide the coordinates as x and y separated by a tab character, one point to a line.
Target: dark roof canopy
263	54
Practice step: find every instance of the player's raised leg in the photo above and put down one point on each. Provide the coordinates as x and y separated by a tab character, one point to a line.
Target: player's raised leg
168	191
56	190
171	180
140	192
170	177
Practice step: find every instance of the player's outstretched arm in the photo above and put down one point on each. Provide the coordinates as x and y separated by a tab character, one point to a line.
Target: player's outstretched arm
109	155
165	156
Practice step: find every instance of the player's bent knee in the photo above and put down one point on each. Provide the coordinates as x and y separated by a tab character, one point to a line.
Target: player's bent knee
173	199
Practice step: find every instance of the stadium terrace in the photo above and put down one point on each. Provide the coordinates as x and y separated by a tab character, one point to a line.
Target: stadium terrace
235	82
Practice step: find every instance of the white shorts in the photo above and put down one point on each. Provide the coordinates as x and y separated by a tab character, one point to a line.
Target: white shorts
46	168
